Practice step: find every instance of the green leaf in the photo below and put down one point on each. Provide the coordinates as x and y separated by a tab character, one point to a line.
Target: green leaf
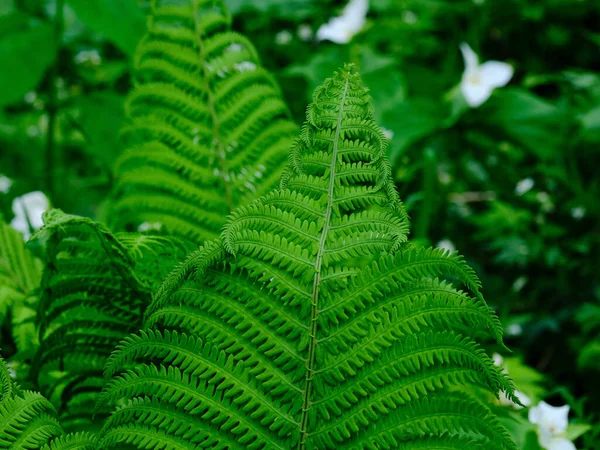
25	54
577	429
101	115
527	119
121	21
410	121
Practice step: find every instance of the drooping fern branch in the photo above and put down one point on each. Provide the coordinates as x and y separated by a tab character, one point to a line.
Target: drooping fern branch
208	128
310	323
91	298
29	421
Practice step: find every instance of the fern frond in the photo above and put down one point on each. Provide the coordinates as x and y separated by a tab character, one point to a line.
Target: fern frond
20	274
310	324
208	128
91	298
75	441
27	421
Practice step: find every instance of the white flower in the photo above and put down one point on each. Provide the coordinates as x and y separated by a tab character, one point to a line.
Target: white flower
514	329
5	184
524	186
245	66
389	134
305	32
446	244
498	359
552	423
28	210
578	213
409	17
519	284
478	81
30	97
341	29
284	37
146	226
91	57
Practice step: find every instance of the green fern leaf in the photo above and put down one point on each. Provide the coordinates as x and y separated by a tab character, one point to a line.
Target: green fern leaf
310	324
76	441
91	299
20	274
208	128
27	421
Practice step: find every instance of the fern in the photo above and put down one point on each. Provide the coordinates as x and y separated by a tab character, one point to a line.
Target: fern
20	274
29	421
91	298
208	128
311	323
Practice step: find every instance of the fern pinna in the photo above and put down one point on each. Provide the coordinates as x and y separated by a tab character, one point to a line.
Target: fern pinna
208	129
310	323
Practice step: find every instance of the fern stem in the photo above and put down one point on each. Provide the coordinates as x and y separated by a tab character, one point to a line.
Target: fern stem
213	111
306	403
52	106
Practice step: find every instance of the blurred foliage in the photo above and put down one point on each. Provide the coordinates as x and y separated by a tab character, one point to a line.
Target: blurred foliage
513	184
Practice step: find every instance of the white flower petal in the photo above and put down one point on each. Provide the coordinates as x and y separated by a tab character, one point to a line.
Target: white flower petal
498	359
475	94
355	14
523	398
560	444
470	57
548	418
341	29
446	244
495	73
28	209
334	31
524	186
5	184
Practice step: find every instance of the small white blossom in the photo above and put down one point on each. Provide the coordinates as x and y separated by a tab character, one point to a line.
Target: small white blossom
91	57
552	423
5	184
514	330
524	186
305	32
33	131
388	133
146	226
284	37
10	365
409	17
342	29
479	80
446	244
30	97
28	209
578	213
245	66
498	359
519	284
